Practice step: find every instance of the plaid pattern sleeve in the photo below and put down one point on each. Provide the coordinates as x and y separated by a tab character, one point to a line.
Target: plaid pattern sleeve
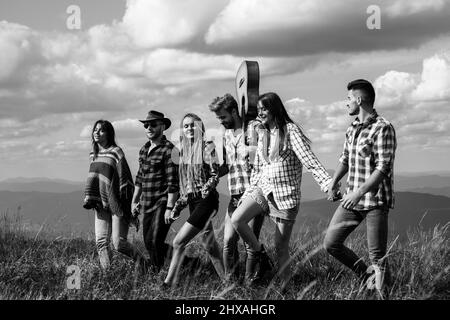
384	149
212	161
309	159
171	159
344	156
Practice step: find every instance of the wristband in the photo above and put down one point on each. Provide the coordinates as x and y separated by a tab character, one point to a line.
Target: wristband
169	208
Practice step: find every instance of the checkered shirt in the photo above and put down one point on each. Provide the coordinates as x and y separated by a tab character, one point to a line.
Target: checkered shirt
236	159
283	176
370	146
157	175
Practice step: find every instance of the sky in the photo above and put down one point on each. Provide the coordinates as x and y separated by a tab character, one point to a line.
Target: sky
125	58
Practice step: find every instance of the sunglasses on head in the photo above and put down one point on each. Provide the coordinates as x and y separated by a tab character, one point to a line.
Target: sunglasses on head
152	124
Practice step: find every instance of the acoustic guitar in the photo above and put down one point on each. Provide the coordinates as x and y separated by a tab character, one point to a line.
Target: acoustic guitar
247	90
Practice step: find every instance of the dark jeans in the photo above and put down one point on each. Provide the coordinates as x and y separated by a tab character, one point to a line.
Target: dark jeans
343	223
155	231
230	242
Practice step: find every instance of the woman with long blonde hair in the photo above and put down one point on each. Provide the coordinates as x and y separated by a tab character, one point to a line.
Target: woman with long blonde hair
198	170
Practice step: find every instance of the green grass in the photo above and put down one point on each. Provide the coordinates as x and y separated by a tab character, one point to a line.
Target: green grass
33	265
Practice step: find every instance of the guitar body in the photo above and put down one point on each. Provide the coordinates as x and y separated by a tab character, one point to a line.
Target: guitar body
247	90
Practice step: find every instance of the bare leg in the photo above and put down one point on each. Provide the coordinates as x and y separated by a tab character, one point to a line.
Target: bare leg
230	247
283	233
247	210
184	235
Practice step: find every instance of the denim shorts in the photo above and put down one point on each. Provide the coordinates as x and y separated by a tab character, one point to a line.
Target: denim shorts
279	220
283	214
258	196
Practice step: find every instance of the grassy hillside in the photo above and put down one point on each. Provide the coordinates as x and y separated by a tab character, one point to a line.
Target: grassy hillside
33	265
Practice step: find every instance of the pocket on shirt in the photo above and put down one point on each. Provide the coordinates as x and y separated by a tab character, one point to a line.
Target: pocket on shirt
365	148
151	166
155	165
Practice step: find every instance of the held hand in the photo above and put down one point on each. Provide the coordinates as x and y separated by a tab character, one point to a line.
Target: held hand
134	220
174	215
334	192
135	208
351	199
205	191
167	216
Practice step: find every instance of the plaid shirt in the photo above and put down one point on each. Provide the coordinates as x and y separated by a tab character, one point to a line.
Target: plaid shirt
236	162
370	146
283	176
157	175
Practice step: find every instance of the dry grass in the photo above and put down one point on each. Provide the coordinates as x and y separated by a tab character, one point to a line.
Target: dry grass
33	265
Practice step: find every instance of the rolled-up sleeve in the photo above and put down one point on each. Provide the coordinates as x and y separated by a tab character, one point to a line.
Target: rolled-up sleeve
384	149
344	156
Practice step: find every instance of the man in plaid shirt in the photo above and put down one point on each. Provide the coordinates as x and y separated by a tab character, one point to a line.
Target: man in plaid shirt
368	158
156	186
237	162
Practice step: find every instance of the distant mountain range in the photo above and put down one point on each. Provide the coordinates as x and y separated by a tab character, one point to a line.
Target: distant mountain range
432	183
40	185
64	211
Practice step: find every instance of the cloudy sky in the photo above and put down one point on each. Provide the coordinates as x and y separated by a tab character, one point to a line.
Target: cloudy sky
131	56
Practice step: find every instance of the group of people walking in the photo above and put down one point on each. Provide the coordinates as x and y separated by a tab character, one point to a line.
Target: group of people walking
264	160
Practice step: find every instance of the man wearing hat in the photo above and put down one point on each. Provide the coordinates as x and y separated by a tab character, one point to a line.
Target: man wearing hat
156	186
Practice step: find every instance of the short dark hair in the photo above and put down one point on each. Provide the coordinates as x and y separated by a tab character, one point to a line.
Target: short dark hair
365	87
227	102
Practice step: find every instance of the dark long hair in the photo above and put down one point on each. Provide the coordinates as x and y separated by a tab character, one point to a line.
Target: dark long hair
272	102
110	135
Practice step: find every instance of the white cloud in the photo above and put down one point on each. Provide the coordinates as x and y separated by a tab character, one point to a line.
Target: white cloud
435	80
410	7
302	27
168	23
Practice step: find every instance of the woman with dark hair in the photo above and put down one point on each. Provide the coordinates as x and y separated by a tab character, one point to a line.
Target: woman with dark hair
109	189
198	170
283	150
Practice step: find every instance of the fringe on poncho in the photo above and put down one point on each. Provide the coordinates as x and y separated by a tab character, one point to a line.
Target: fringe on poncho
109	182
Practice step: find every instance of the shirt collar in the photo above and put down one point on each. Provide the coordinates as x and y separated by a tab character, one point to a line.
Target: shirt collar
162	142
370	120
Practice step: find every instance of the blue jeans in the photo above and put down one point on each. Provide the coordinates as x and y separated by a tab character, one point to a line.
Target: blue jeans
109	227
343	223
230	242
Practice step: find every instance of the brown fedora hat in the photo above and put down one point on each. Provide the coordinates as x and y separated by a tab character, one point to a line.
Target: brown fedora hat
155	115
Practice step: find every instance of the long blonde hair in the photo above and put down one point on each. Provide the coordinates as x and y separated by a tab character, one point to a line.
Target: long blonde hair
191	155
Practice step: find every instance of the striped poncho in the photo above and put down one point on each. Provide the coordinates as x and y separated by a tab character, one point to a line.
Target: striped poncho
109	181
